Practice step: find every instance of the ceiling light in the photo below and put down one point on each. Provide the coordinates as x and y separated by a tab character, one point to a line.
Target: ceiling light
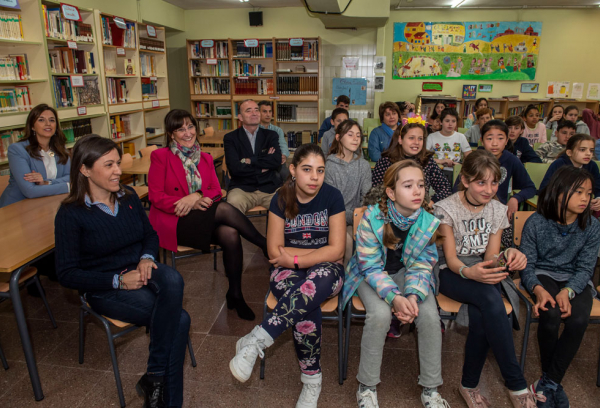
457	3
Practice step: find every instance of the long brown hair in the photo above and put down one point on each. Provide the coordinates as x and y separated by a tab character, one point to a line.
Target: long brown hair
396	153
342	129
86	152
477	165
389	181
57	142
288	200
575	140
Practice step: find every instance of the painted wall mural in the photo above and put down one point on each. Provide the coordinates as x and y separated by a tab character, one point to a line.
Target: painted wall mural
479	50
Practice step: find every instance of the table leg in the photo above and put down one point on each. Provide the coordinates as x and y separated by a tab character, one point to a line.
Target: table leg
24	333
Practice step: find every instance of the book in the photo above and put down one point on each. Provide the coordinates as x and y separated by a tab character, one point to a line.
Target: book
64	60
14	67
298	85
129	66
150	44
309	51
253	86
201	68
56	26
148	65
211	86
11	26
149	89
110	63
218	51
243	68
113	35
15	99
264	50
76	129
120	126
295	113
116	90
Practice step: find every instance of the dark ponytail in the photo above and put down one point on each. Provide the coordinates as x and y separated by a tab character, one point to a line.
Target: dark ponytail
288	201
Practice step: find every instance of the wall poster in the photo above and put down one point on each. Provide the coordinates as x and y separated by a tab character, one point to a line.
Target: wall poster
477	50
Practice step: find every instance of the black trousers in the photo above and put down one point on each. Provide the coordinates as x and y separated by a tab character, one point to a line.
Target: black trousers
558	352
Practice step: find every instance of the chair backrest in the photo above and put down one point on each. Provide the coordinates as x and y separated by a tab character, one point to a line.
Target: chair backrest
371	122
536	172
536	145
455	172
519	219
126	160
3	183
462	130
549	133
147	150
358	214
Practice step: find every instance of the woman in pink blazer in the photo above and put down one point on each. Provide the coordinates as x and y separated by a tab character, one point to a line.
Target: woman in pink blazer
187	209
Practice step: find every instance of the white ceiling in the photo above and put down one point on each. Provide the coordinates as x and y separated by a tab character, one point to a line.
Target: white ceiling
224	4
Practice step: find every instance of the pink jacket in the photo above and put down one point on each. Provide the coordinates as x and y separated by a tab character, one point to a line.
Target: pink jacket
167	184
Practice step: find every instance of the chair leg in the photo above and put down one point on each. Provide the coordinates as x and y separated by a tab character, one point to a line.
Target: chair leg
191	350
215	260
81	335
173	260
340	321
113	357
347	339
36	279
597	375
526	336
3	359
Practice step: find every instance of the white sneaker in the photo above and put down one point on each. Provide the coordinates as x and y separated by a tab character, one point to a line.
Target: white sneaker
434	400
367	399
310	391
248	348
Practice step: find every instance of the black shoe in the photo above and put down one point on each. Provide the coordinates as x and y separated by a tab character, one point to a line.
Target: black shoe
240	306
560	398
152	391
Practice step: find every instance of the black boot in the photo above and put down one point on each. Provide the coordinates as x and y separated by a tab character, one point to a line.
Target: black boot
152	391
240	306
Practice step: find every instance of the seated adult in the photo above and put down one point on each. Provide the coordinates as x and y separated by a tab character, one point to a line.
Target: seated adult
39	163
253	159
381	136
187	208
342	102
106	249
266	115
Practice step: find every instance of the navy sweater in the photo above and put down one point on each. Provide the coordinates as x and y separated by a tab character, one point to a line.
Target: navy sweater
511	168
92	246
525	152
564	160
564	252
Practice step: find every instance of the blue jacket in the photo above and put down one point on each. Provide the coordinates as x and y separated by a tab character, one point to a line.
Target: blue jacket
520	179
325	126
525	152
379	141
564	160
21	163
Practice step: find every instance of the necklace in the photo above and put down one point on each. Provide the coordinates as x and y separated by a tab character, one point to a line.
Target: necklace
469	202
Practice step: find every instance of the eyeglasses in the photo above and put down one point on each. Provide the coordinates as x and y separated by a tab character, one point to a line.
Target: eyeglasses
183	130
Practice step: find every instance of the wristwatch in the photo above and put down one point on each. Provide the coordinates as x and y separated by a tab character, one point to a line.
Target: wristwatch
243	161
570	291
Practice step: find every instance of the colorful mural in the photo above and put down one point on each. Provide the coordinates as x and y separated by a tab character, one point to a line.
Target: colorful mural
504	51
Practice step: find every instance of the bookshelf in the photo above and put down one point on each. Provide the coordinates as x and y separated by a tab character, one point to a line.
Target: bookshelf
426	103
498	106
224	72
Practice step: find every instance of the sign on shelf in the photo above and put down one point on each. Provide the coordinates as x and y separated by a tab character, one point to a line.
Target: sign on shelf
70	12
72	45
81	111
13	4
77	81
151	31
211	61
121	52
120	22
207	43
296	42
251	43
156	104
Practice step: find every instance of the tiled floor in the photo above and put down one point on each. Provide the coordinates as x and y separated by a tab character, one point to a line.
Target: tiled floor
215	330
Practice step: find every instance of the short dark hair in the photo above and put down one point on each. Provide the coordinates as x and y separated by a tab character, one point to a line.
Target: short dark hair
339	111
570	108
449	112
478	101
528	109
565	181
494	124
342	99
174	120
388	105
265	103
566	124
515	121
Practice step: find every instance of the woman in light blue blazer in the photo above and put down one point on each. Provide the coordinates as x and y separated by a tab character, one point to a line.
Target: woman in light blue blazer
39	164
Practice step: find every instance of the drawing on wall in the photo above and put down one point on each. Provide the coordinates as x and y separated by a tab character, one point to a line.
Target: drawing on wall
593	91
558	89
530	88
354	88
501	51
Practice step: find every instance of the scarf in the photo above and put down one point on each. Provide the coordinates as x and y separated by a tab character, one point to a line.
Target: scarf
400	220
190	157
388	130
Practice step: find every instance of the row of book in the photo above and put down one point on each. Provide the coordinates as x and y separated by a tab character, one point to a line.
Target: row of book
309	51
211	86
242	68
120	126
111	61
66	95
7	138
295	113
116	90
264	50
518	110
113	35
150	44
298	85
15	99
14	67
253	86
209	109
11	26
149	89
218	51
470	109
148	65
57	26
76	129
297	139
201	68
64	60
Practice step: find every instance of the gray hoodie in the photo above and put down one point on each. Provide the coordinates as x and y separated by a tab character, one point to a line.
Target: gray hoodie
353	179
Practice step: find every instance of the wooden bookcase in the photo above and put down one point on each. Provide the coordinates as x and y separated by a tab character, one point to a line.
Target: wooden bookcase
264	71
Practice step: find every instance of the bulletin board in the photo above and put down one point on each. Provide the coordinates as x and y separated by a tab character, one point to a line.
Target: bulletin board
478	50
354	88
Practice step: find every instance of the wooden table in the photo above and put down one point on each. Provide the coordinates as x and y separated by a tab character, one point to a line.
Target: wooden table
28	235
216	139
216	152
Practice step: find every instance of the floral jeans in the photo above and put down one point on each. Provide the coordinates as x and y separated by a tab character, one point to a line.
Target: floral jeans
300	294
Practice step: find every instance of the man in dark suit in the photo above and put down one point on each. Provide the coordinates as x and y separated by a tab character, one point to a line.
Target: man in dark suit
253	158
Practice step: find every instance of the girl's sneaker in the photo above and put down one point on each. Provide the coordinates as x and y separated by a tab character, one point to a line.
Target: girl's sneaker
367	399
248	348
473	397
545	396
526	400
310	391
395	329
434	400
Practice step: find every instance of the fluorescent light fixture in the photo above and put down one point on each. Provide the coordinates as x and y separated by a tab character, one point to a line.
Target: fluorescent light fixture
457	3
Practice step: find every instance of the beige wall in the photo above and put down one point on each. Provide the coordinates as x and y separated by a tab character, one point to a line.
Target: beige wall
568	50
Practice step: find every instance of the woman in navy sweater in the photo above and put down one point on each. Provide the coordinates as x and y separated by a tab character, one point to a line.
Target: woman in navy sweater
106	249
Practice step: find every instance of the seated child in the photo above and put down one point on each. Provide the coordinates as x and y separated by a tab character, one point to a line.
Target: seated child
572	114
535	131
549	151
520	146
479	103
337	116
473	135
554	117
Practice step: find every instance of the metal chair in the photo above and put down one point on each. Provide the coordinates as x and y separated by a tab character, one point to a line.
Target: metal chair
3	359
85	310
331	305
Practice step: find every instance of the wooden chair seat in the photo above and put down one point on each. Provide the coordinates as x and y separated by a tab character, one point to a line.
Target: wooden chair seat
26	274
452	306
357	304
329	306
258	208
115	322
594	314
181	248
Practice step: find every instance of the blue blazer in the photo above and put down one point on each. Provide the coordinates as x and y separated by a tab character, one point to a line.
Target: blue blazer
21	163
